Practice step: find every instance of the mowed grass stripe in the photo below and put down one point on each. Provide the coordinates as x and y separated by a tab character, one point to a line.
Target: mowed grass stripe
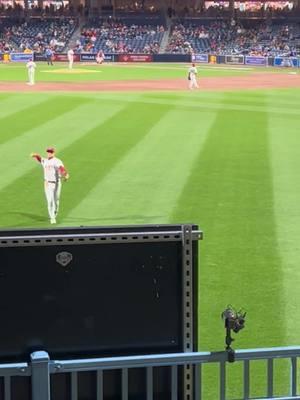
35	115
59	132
4	96
214	105
253	98
285	144
94	156
206	101
145	184
230	195
22	202
11	103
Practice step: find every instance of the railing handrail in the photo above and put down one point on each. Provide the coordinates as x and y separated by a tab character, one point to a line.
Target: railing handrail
41	367
196	233
15	369
24	369
158	360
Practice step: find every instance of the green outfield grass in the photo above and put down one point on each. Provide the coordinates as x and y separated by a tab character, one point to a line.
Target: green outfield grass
226	161
59	71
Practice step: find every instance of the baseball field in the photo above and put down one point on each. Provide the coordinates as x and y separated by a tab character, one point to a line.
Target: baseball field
141	149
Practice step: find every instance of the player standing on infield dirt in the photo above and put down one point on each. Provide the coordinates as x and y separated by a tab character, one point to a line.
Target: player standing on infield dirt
192	77
54	171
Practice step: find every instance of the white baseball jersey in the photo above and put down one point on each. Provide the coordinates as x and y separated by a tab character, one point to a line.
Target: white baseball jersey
51	168
193	72
31	65
70	54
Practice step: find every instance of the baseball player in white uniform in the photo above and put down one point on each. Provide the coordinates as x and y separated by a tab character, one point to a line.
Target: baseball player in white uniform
54	171
70	55
192	77
31	66
100	57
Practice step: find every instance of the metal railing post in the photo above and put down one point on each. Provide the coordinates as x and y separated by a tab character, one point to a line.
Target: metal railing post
293	372
246	379
270	373
7	388
188	307
100	385
222	380
40	379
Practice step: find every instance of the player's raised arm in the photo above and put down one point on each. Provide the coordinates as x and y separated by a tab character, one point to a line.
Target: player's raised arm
36	156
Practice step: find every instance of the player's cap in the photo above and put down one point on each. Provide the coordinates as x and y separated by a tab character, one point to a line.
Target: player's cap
50	150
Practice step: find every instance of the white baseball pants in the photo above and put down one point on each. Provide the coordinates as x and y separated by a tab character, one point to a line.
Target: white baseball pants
193	83
31	76
52	192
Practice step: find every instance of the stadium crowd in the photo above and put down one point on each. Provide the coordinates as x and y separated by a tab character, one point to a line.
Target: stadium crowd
193	30
64	10
37	34
192	9
231	37
118	37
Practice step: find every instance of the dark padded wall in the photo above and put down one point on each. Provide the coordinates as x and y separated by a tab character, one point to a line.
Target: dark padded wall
111	299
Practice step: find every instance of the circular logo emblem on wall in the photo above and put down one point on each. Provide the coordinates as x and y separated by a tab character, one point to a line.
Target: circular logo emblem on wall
64	258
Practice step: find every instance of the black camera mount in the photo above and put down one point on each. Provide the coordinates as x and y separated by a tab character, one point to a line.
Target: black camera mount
234	321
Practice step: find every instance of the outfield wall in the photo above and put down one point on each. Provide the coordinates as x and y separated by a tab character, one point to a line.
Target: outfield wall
109	292
147	58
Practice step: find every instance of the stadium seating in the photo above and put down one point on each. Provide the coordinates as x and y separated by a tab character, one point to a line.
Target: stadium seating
230	37
142	31
37	33
118	37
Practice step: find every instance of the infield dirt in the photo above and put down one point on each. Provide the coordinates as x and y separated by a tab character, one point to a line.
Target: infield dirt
249	82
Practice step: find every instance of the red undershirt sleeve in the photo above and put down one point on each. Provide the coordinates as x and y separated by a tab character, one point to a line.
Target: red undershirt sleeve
38	158
62	171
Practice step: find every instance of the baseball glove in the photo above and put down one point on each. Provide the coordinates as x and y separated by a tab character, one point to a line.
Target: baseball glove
66	177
